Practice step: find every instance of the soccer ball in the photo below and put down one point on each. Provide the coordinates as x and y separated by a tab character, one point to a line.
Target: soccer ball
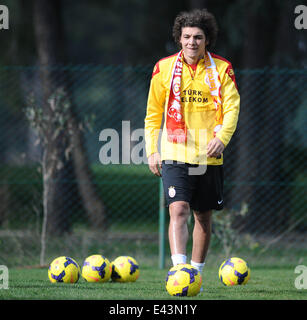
125	269
234	271
64	269
183	280
96	268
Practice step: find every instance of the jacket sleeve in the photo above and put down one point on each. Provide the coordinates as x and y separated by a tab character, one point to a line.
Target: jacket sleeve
155	110
231	106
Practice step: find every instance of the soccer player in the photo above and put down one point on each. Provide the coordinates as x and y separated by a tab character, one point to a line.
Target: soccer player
195	92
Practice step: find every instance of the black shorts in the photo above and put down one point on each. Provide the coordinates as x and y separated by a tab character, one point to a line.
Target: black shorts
202	191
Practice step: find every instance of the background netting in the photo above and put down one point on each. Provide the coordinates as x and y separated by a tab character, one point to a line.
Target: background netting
265	170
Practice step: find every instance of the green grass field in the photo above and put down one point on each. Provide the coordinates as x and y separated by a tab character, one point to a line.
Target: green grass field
266	283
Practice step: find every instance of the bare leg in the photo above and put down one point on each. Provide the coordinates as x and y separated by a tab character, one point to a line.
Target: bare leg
201	235
178	229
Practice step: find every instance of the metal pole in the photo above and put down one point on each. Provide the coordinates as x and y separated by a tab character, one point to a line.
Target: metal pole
161	226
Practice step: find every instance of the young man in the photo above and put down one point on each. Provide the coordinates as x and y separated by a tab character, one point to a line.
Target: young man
196	92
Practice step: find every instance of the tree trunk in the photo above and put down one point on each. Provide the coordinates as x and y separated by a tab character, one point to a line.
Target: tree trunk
94	206
259	148
246	165
51	51
58	171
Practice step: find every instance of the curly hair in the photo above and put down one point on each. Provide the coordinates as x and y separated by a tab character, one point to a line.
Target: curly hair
200	18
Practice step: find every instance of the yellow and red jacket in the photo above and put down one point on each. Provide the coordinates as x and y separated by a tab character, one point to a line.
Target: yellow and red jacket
198	109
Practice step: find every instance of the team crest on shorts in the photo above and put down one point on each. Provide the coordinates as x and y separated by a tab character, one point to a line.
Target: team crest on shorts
171	191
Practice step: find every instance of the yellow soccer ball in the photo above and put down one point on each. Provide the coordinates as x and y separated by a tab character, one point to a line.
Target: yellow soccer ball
234	271
96	268
64	269
183	280
125	269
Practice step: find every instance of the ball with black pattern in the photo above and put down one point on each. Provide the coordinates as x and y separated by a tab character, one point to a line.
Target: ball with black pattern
64	269
183	280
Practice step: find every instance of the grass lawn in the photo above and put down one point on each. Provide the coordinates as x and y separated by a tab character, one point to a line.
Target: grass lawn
266	283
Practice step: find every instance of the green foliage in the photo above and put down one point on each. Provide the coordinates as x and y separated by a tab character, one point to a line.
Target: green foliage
127	191
299	218
224	229
54	116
